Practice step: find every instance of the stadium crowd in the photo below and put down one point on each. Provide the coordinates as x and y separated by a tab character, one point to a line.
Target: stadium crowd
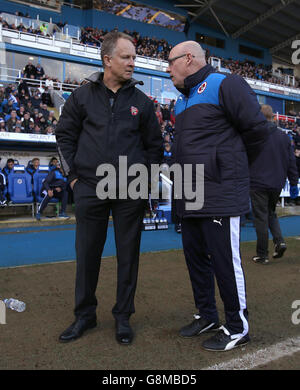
156	48
24	106
25	110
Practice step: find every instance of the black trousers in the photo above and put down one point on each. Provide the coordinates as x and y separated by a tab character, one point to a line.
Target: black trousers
212	248
92	216
265	218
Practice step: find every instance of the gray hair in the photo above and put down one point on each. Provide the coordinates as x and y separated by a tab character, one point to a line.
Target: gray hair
110	42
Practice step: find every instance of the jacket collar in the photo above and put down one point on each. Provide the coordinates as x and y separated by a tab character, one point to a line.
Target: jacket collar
196	78
97	77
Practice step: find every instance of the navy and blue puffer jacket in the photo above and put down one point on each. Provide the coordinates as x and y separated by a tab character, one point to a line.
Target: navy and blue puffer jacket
218	124
54	179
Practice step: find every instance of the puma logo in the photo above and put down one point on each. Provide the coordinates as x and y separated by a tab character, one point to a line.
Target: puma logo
218	221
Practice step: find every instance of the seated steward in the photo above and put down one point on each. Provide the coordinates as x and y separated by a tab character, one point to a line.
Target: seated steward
9	167
54	186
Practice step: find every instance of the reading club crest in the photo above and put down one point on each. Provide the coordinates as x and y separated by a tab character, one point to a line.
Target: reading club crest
202	87
134	110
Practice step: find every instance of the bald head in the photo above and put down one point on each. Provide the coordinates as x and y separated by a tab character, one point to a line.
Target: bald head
193	48
185	59
267	111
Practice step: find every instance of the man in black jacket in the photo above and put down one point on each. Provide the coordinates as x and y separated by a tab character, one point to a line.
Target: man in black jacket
268	174
218	125
102	120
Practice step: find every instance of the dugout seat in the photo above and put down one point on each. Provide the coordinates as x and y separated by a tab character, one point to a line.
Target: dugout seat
20	187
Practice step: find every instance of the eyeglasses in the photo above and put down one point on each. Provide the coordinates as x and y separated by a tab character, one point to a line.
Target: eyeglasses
171	60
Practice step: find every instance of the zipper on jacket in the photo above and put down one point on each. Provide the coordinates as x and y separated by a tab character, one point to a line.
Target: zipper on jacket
177	143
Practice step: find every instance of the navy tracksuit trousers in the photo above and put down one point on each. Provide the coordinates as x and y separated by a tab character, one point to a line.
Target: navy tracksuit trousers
212	249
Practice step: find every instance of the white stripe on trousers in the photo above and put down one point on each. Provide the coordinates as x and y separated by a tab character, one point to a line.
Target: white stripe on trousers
45	193
238	272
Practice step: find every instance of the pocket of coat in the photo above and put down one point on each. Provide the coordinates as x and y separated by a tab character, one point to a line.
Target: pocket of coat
75	185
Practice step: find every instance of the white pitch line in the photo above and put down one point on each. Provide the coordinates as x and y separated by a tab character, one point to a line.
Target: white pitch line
260	357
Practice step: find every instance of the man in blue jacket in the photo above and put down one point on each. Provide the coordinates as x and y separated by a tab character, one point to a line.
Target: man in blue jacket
54	186
218	125
268	174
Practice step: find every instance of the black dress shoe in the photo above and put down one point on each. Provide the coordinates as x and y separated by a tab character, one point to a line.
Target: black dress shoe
124	333
77	329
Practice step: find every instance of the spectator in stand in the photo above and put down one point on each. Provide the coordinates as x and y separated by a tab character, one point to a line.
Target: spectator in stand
39	72
12	121
48	82
7	106
31	126
51	118
165	112
46	97
49	130
54	124
19	128
29	71
13	96
172	117
29	107
23	87
43	125
43	29
26	120
36	101
159	114
37	129
24	98
167	153
44	110
21	111
2	125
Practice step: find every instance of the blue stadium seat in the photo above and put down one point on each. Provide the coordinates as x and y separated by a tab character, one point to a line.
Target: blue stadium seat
20	188
19	185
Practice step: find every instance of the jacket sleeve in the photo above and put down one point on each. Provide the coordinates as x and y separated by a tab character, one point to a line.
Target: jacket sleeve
47	181
151	135
67	133
242	109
